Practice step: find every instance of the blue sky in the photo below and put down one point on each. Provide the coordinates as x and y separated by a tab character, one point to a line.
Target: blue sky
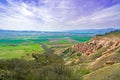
59	15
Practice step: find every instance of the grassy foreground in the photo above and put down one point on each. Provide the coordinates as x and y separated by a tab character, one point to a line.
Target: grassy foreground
107	73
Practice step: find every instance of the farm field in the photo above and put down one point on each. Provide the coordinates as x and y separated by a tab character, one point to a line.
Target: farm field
19	50
24	46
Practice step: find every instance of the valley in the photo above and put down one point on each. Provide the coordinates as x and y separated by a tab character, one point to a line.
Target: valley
56	56
59	39
22	43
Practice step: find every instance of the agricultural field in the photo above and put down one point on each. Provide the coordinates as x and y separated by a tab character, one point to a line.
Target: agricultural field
19	50
24	45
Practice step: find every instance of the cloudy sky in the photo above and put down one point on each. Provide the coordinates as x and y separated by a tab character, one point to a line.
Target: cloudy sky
51	15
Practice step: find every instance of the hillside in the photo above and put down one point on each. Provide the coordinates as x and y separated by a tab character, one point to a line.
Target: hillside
107	73
96	56
109	42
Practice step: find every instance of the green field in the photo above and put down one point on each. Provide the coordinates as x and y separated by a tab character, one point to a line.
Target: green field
25	46
81	39
18	51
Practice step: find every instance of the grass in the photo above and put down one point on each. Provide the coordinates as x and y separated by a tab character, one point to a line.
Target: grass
9	41
80	69
64	38
101	62
17	47
112	34
80	39
9	51
107	73
38	40
59	41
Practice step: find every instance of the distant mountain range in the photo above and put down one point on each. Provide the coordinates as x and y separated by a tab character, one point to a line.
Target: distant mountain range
91	31
94	31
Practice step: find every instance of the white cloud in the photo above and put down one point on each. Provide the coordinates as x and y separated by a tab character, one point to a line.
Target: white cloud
23	16
108	17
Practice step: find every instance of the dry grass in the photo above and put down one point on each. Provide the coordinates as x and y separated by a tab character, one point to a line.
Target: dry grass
107	73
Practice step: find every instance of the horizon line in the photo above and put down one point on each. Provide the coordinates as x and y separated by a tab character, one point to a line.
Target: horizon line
60	31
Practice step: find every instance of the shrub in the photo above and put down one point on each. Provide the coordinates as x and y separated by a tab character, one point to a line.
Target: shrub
44	67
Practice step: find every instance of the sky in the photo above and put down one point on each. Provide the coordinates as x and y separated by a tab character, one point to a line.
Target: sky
59	15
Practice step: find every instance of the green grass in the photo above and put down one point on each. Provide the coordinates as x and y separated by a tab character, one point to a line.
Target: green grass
63	39
9	51
51	37
17	47
80	39
9	41
42	39
38	40
59	41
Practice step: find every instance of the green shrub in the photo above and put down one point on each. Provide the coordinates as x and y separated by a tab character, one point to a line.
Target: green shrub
44	67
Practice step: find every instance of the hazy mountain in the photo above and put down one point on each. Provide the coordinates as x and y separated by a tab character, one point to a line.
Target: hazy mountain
94	31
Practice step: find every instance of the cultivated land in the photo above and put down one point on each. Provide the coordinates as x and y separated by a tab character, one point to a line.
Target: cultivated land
19	44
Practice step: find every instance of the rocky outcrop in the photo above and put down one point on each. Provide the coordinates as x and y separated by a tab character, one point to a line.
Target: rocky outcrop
100	51
97	43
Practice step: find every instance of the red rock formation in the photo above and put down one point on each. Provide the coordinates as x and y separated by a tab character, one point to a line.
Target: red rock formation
97	43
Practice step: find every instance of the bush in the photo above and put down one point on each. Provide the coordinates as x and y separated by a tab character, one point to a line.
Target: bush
44	67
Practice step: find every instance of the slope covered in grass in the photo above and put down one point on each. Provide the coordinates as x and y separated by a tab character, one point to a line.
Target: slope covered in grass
99	58
107	73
